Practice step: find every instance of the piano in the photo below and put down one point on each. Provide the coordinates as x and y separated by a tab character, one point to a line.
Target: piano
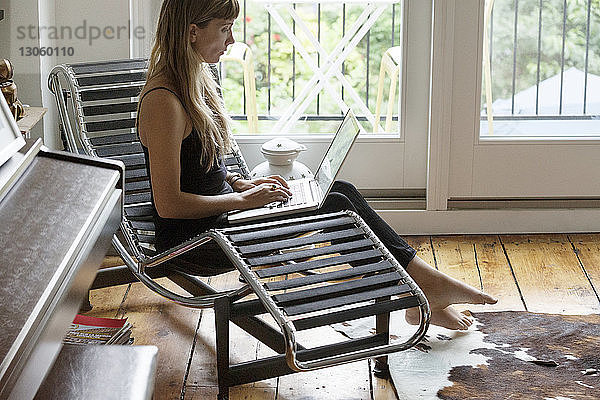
58	212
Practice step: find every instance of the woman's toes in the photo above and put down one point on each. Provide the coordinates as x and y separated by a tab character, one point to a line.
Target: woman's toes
468	321
447	318
488	299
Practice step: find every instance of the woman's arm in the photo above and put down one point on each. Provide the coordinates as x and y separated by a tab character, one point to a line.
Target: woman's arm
163	125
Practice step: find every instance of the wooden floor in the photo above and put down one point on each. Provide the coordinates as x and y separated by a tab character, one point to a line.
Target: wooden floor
540	273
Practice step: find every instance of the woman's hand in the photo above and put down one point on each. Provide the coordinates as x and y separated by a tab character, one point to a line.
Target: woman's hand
242	185
264	193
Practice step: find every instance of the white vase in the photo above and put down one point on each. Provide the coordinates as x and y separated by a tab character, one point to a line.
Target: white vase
281	154
295	170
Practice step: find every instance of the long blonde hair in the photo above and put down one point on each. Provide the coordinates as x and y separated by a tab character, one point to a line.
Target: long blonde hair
173	57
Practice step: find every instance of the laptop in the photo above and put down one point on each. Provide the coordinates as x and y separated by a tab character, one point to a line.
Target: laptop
309	194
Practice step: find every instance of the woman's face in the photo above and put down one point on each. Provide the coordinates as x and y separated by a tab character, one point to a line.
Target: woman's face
212	40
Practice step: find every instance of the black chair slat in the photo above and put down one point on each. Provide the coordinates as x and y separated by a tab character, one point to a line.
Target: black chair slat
321	263
110	125
108	109
346	300
382	307
344	347
137	198
294	229
136	185
143	225
300	241
239	229
108	66
298	255
139	211
132	160
109	94
347	273
119	149
113	139
337	290
136	173
149	239
138	76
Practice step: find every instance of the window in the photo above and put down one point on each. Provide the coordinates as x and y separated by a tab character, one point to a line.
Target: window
282	72
541	68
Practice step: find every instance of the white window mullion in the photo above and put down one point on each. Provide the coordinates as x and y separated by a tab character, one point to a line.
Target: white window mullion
441	104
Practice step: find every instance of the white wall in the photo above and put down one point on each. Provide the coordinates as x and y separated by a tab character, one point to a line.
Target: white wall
21	13
94	30
107	33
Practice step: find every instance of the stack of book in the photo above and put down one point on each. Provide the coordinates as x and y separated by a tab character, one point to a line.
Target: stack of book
93	330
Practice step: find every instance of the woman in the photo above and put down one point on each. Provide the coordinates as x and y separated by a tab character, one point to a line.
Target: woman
184	130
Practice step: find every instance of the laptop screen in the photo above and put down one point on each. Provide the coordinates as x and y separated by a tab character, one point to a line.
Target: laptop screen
337	152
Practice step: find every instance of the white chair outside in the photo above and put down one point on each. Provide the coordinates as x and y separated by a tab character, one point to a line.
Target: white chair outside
240	52
391	64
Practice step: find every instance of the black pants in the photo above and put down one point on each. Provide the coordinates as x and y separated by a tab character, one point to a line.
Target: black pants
209	259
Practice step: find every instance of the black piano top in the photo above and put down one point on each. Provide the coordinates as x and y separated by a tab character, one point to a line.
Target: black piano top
42	219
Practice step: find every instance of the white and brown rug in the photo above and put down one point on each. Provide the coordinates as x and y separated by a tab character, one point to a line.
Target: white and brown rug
505	355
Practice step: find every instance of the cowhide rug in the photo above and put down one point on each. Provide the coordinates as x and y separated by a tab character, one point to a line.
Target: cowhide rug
505	355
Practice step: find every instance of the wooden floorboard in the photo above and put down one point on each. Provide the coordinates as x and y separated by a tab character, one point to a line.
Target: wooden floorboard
455	256
383	389
107	302
422	244
587	249
550	273
168	326
346	381
496	275
202	377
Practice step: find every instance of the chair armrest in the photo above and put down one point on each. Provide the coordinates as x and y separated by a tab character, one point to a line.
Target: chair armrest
176	251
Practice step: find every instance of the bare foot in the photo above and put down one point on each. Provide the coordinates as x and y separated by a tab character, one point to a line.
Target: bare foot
442	291
447	318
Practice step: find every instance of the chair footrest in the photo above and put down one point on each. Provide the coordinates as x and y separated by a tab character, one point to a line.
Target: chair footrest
313	271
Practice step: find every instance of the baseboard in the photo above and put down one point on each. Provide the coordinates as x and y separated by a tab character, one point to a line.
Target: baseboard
423	222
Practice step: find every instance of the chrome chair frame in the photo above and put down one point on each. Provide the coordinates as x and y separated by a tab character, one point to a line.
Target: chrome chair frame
97	103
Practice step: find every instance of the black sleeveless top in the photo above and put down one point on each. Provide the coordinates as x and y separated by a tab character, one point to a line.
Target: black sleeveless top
193	179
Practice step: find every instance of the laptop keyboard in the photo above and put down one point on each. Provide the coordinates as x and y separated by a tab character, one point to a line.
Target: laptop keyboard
298	197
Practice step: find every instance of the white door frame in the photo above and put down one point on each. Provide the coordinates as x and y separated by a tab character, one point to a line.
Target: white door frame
462	165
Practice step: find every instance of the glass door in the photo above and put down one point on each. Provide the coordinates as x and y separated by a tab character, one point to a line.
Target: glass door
534	64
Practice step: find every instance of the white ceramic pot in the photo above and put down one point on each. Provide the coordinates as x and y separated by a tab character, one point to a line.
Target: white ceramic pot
289	172
281	151
281	154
